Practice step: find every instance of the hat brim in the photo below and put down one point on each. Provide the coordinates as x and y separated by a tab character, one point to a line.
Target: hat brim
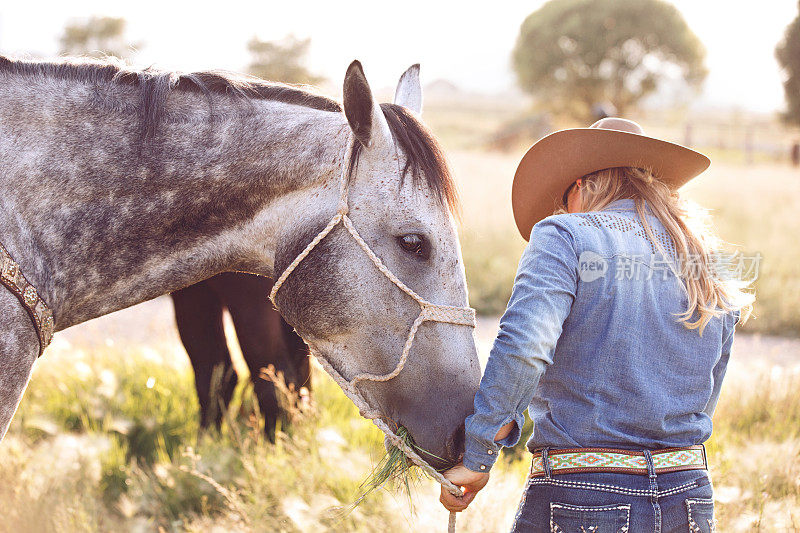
557	160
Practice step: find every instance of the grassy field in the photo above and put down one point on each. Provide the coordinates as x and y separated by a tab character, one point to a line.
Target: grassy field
107	439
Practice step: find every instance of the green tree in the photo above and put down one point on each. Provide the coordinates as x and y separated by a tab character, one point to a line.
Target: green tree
282	60
574	54
97	37
788	54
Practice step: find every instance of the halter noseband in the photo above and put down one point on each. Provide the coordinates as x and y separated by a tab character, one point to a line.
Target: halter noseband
464	316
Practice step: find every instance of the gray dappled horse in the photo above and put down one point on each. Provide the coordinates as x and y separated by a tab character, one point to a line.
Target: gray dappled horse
121	185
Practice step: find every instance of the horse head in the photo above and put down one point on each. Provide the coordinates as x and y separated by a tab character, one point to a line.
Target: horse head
400	199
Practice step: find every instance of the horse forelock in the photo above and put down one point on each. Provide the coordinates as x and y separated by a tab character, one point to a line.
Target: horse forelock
425	158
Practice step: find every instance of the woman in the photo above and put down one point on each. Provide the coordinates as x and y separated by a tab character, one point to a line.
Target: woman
624	307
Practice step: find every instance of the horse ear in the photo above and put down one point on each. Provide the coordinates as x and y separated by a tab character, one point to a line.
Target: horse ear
364	115
409	90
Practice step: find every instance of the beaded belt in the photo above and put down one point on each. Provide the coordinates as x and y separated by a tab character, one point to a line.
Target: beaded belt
41	316
574	460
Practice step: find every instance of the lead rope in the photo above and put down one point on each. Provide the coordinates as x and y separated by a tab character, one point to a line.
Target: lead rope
428	312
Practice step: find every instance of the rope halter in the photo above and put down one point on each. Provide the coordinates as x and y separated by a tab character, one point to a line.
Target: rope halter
429	311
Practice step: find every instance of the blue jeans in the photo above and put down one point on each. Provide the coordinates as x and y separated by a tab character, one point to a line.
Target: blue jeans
618	503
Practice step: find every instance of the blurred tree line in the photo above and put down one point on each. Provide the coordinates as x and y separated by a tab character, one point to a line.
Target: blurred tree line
580	58
97	37
283	60
576	56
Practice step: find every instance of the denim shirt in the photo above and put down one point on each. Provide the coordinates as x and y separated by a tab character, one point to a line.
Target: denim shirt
590	344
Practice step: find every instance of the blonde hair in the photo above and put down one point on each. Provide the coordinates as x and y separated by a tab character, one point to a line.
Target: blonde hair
708	293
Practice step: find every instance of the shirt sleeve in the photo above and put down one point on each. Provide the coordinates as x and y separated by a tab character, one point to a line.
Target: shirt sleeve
541	299
718	373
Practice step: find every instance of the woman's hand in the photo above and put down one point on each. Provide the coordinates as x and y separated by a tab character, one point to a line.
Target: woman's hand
471	482
505	431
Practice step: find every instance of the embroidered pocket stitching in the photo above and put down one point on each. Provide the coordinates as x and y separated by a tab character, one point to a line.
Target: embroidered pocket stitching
555	528
679	488
693	525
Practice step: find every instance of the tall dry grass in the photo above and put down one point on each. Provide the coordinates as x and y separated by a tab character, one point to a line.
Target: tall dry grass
107	440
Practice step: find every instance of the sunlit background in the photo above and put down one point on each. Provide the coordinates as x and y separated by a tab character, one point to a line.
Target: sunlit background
106	436
468	44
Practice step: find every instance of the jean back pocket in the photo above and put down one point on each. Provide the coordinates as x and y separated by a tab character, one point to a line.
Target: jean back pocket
700	512
565	518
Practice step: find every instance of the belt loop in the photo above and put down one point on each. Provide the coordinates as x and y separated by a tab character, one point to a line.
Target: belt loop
546	463
651	469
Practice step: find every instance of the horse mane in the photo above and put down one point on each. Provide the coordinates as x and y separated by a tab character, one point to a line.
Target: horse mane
155	85
424	154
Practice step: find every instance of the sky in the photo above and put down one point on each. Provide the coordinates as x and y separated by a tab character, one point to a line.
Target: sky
466	42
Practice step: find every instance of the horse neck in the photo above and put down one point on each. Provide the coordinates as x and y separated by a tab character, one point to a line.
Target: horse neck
100	220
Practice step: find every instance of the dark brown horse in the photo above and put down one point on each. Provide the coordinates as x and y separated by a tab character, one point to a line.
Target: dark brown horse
264	337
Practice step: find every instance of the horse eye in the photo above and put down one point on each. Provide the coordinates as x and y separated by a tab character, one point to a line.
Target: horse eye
415	244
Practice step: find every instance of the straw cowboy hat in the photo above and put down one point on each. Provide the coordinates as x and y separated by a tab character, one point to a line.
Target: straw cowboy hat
552	164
